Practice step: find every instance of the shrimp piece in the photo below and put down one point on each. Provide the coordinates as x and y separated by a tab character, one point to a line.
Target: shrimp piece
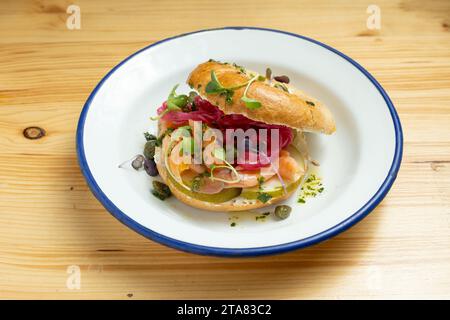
206	185
284	153
288	167
198	168
210	186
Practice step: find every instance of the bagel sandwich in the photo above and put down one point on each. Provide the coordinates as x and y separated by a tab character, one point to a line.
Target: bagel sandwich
261	121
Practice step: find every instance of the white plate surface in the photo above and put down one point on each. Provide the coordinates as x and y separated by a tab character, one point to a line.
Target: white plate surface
357	164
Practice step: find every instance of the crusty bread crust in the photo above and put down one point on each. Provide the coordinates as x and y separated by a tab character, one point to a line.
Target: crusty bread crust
226	206
277	106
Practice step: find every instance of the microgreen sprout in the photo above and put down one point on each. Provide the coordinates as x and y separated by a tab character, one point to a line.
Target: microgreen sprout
215	87
250	103
219	153
174	103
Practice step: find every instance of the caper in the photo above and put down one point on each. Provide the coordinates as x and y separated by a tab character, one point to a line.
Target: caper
137	162
161	190
149	136
149	149
282	212
150	167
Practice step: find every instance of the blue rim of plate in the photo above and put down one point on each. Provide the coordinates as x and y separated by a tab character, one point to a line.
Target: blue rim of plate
256	251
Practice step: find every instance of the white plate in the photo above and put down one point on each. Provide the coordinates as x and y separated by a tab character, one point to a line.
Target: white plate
358	163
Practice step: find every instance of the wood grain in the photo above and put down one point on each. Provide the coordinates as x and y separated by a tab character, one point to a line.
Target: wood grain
49	219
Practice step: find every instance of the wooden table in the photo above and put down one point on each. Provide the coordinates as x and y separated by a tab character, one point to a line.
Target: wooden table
49	220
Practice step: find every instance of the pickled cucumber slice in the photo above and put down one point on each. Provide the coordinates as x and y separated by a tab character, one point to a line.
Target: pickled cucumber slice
252	193
223	196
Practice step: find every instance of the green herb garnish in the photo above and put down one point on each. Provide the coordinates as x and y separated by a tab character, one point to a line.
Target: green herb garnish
219	153
264	197
310	103
159	141
215	87
233	224
174	103
240	68
196	183
260	182
250	103
311	188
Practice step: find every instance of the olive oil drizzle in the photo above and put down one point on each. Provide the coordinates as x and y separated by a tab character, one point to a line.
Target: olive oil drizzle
311	188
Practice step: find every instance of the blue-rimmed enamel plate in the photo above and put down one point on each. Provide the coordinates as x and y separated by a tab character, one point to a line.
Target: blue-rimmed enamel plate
358	164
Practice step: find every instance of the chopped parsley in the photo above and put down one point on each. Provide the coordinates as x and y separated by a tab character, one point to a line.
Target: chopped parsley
311	188
264	197
260	182
240	68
